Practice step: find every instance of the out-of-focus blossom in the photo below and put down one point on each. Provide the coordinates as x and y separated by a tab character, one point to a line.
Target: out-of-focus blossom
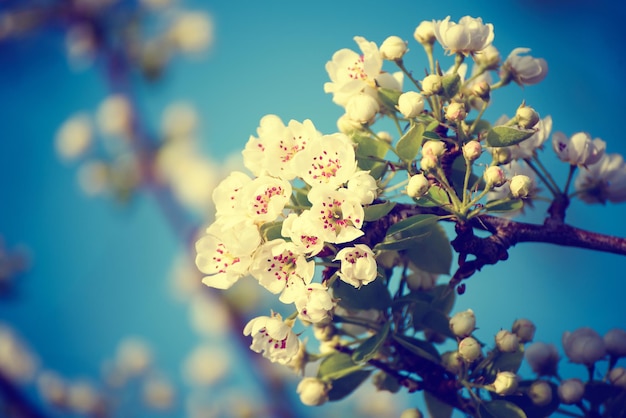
83	398
179	120
615	342
543	358
524	329
17	363
571	391
468	36
134	356
617	377
94	177
209	317
313	391
524	70
584	346
420	279
206	365
540	393
158	393
579	149
74	137
114	115
192	32
602	181
52	388
489	57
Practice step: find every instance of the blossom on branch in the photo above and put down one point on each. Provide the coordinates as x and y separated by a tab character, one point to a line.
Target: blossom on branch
273	337
579	149
602	181
468	36
358	265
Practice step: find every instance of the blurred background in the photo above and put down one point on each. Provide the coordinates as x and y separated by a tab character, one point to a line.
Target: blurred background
99	295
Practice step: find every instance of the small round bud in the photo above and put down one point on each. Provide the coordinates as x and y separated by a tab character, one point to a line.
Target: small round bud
488	58
521	186
617	377
385	136
425	33
472	150
348	126
482	90
505	383
501	155
452	362
428	163
418	186
494	176
410	104
524	329
469	349
456	112
432	84
543	358
540	393
411	413
526	117
615	342
433	148
462	324
583	346
313	391
506	341
393	48
571	391
362	108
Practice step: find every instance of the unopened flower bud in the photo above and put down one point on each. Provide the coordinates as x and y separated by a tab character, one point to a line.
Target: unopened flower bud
482	90
615	342
456	112
362	108
505	383
393	48
540	393
425	33
411	104
313	391
348	126
472	150
418	186
411	413
521	186
462	324
524	329
433	148
432	84
571	391
385	136
488	58
526	117
452	362
583	346
506	341
501	155
494	176
469	349
428	163
543	358
617	377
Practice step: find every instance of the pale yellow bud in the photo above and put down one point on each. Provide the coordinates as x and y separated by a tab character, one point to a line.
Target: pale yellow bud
418	186
521	186
432	84
494	176
472	150
540	393
425	33
393	48
526	117
469	349
505	383
456	112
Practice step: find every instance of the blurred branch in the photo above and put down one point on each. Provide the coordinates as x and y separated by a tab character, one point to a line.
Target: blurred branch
16	404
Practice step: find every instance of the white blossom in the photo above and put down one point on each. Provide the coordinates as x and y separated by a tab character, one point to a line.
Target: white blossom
417	186
411	104
579	149
273	337
602	181
314	303
227	193
302	230
192	31
74	137
330	160
468	36
469	349
362	108
313	391
584	346
506	341
363	186
358	265
524	69
393	48
336	214
425	33
615	342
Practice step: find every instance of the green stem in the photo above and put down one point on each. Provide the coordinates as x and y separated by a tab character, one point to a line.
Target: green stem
553	188
480	114
456	202
468	173
357	321
406	72
458	60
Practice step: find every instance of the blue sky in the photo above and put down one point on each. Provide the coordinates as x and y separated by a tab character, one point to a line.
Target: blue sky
99	270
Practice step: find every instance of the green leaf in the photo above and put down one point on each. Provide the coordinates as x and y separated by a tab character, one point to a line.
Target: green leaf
482	125
438	197
500	409
271	230
419	310
458	175
344	386
508	206
369	348
301	198
368	153
504	136
443	298
336	366
389	97
438	322
434	254
377	211
384	381
451	85
374	295
503	362
412	223
400	244
437	408
420	348
409	145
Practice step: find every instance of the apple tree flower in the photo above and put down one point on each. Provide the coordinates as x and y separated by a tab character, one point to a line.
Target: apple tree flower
273	151
302	230
362	108
462	324
469	349
273	337
279	267
363	186
337	214
264	198
314	303
358	265
425	33
579	149
417	186
583	346
227	193
411	104
602	181
468	36
524	70
224	253
352	73
313	391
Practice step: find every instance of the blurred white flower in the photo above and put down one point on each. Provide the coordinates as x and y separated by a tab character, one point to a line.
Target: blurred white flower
17	363
313	391
179	120
468	36
524	69
602	181
584	346
579	149
83	398
114	115
74	137
206	365
571	391
543	358
134	356
192	31
158	393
